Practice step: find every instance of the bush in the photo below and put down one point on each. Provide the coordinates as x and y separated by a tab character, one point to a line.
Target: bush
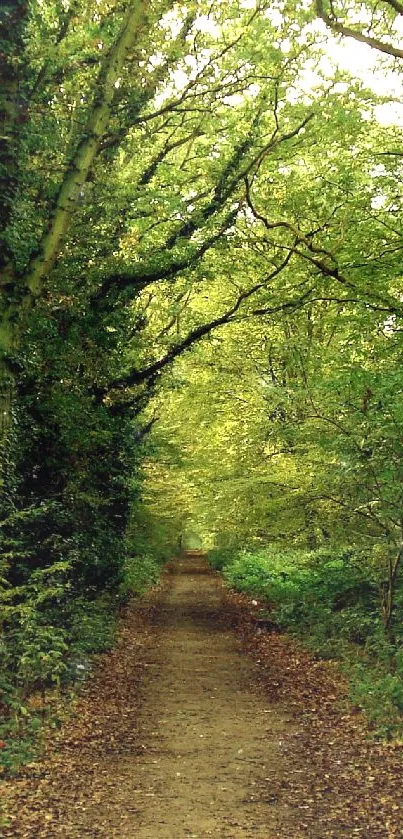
330	599
310	591
380	695
93	625
139	573
220	557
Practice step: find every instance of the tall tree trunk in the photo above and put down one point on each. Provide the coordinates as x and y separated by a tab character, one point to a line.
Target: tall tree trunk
81	164
13	110
20	292
388	597
13	16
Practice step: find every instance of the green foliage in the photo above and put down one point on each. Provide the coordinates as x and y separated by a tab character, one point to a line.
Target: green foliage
326	593
219	558
329	599
92	625
139	573
33	649
380	693
186	189
21	738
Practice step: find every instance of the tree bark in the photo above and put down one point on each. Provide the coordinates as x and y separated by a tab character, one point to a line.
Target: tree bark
13	15
20	292
388	593
349	32
81	164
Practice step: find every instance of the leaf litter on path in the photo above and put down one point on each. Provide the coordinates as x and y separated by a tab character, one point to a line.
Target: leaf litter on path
198	725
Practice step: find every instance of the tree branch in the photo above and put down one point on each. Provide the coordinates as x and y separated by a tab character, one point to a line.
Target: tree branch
349	32
137	376
80	167
142	277
313	255
225	188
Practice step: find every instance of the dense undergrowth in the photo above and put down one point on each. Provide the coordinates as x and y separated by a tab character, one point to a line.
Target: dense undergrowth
76	539
330	599
48	650
134	226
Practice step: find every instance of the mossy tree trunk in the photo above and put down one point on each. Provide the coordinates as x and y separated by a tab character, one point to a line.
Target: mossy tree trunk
19	292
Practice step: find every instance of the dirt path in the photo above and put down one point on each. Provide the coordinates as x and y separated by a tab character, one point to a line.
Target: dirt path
208	740
181	734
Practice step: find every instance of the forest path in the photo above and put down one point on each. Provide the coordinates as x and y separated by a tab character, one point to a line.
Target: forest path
175	736
211	746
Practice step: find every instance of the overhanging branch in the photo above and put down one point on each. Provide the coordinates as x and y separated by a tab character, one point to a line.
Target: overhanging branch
349	32
137	376
224	190
322	259
141	277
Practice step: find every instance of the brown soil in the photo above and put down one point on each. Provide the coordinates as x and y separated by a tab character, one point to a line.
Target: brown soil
208	740
176	736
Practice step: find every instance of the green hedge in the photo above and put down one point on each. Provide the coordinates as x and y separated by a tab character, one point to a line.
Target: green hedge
329	598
